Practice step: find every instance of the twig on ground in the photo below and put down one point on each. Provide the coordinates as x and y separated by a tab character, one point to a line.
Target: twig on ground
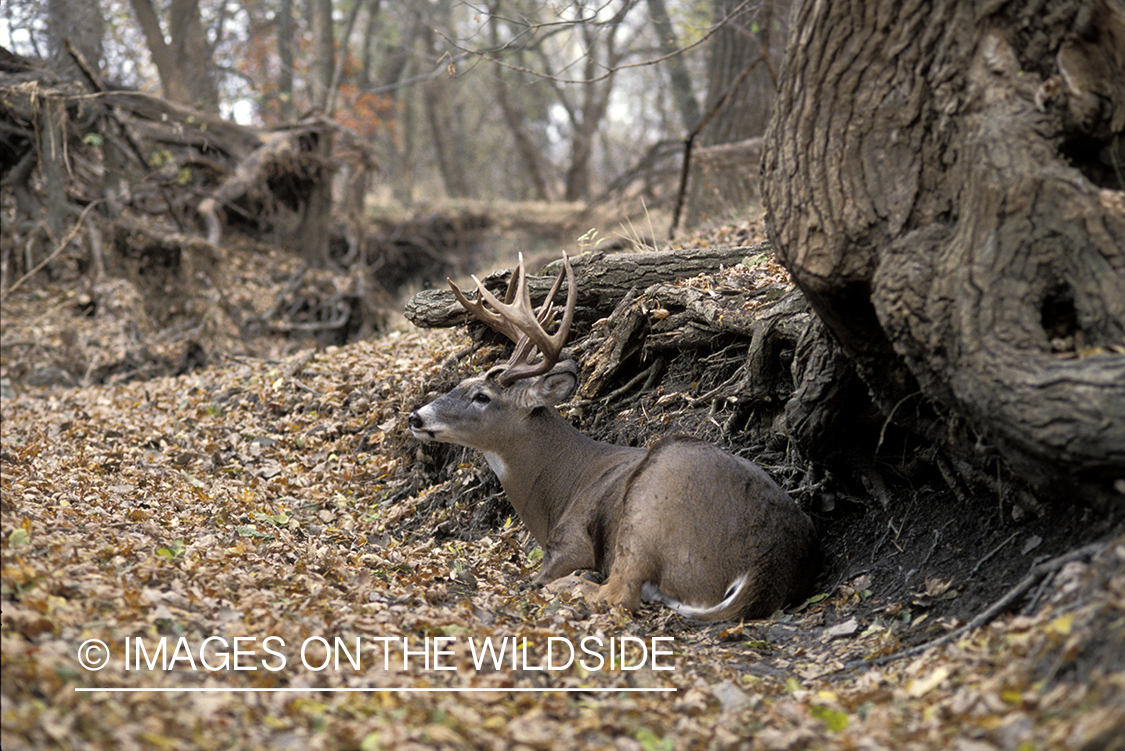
991	553
648	374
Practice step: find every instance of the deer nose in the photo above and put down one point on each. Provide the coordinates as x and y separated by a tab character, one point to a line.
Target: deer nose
415	420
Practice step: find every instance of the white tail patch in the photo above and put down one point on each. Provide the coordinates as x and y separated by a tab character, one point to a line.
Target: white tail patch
650	593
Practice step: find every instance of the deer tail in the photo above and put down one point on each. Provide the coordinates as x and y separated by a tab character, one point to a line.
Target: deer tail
737	602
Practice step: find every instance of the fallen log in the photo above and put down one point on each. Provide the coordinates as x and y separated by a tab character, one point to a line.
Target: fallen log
603	281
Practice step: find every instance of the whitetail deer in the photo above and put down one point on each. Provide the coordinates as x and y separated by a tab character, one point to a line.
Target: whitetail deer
682	522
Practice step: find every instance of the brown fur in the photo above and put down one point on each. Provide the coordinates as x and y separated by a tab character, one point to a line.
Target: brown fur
682	516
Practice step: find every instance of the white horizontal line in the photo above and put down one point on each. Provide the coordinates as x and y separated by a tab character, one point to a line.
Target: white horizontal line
403	689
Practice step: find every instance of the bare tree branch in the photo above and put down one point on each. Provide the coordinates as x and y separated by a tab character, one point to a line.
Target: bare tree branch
492	55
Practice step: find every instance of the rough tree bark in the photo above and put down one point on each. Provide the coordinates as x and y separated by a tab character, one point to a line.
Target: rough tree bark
944	181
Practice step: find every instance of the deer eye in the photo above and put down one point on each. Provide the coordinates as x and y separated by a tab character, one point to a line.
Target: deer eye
481	398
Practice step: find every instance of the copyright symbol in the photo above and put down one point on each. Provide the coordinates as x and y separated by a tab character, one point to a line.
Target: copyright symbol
93	654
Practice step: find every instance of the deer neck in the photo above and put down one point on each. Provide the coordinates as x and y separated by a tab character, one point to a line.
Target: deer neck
546	466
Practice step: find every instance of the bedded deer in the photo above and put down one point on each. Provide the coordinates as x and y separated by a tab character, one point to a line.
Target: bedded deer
682	522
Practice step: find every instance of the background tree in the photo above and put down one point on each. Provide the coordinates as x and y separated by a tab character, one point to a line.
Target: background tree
80	23
944	182
399	66
584	113
182	55
323	53
285	59
679	77
742	62
523	111
443	106
507	100
73	26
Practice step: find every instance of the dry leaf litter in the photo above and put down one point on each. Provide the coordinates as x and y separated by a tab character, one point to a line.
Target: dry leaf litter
261	520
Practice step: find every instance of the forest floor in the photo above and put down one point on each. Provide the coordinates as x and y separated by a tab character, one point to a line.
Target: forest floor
265	533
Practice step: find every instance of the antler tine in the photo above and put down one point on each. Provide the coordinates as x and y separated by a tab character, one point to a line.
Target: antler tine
549	345
548	306
559	337
516	319
477	309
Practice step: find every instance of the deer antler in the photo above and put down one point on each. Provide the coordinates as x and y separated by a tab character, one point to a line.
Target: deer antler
516	319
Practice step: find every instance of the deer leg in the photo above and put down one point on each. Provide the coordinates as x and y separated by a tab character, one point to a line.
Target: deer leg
630	571
621	590
563	560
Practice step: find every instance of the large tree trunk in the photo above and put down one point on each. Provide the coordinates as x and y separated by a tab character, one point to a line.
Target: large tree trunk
944	183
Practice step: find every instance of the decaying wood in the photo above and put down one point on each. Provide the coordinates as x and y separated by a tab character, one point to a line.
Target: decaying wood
782	377
254	192
603	280
148	175
670	318
146	155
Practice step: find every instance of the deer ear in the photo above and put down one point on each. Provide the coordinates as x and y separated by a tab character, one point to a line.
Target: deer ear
554	386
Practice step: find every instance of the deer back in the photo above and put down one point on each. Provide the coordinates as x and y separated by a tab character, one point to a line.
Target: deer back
696	520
